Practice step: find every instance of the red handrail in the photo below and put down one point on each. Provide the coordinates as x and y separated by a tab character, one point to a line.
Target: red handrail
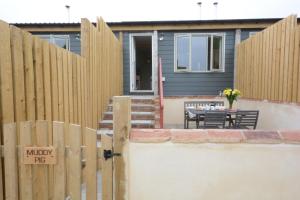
161	94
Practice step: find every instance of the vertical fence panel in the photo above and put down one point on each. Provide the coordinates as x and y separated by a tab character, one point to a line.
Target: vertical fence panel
29	76
268	63
39	82
59	191
26	190
75	162
106	169
91	164
60	85
296	68
54	82
40	172
121	127
47	81
10	161
7	106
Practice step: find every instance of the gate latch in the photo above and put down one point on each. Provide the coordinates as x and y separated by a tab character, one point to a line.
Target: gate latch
109	154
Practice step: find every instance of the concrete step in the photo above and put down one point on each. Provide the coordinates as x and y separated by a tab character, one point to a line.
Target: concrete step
138	107
134	116
108	124
140	100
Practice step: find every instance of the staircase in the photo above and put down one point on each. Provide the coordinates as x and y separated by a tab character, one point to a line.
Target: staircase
144	113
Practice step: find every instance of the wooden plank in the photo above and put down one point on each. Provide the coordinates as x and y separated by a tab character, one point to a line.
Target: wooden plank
75	88
29	76
54	83
39	82
70	75
91	164
1	171
75	162
47	81
286	59
59	191
121	128
18	73
291	59
65	86
281	68
277	61
295	90
78	72
40	172
107	168
10	161
60	84
26	190
6	84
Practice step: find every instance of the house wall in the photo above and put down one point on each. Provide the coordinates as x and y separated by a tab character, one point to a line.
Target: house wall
195	164
186	83
75	43
272	116
245	33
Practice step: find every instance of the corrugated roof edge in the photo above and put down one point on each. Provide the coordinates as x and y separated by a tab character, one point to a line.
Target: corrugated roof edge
138	23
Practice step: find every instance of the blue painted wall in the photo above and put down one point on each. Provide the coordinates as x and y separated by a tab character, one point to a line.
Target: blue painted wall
188	83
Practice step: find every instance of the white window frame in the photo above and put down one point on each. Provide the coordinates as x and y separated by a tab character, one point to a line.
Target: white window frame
189	70
53	36
252	33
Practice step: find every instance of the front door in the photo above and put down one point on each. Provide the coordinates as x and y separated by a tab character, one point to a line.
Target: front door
141	62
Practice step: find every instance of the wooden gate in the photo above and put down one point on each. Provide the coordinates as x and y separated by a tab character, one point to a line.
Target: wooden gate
68	166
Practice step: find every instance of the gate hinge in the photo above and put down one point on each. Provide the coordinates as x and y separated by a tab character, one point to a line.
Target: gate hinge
109	154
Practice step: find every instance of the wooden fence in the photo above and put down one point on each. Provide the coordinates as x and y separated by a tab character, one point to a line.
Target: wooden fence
40	181
40	81
268	63
103	53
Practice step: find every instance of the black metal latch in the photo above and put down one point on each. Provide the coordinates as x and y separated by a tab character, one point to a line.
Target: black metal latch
109	154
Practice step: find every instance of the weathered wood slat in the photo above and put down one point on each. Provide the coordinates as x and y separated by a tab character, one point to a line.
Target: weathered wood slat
7	99
10	161
91	164
121	127
59	191
40	172
268	63
106	168
26	181
75	162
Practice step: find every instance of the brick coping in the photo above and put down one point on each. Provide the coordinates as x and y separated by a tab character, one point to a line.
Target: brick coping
214	136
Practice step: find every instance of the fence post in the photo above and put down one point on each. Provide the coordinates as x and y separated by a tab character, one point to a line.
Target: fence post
121	128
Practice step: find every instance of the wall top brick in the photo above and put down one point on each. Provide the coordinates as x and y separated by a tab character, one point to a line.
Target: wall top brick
214	136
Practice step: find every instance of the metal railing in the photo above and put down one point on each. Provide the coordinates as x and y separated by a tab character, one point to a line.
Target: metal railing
161	94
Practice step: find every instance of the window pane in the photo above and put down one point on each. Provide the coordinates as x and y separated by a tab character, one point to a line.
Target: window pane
217	52
199	53
183	49
61	42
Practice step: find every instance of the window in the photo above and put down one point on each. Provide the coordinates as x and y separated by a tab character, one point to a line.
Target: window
62	41
199	52
252	33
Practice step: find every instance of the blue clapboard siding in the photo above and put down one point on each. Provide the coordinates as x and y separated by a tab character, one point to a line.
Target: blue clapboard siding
74	40
185	83
245	33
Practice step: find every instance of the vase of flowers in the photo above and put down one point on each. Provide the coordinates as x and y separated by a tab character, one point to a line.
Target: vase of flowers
231	95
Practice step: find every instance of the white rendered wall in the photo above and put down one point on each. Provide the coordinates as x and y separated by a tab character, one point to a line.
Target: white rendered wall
170	171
